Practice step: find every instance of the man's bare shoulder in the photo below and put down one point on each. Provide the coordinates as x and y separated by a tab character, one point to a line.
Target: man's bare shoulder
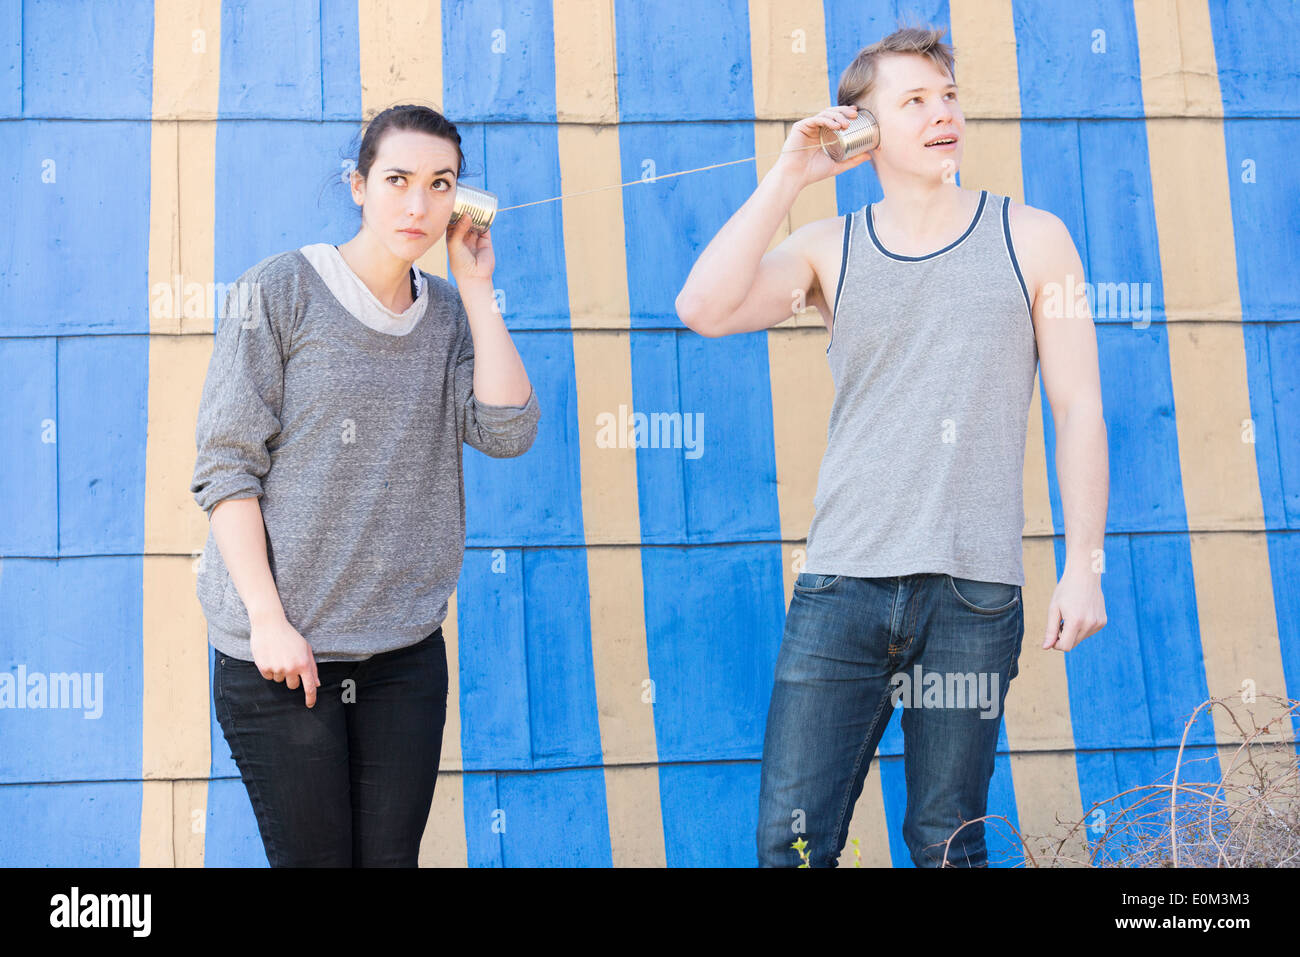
816	234
819	243
1032	225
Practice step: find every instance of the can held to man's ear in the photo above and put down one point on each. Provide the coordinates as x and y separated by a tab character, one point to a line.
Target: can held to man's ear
858	137
478	204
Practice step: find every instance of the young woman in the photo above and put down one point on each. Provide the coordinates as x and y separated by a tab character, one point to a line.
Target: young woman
342	385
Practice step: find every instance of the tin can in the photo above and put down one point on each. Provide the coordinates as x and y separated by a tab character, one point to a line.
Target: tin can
858	137
478	204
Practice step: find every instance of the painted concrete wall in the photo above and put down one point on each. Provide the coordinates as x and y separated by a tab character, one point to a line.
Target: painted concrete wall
155	145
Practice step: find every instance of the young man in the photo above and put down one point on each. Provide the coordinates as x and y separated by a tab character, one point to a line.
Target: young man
937	300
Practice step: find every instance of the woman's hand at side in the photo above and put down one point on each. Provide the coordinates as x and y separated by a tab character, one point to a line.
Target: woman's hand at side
281	654
278	650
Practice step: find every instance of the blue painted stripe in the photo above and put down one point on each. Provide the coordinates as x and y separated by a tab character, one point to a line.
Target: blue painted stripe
534	498
1146	493
11	60
231	837
81	182
340	45
660	473
710	814
1117	242
523	165
1154	631
729	454
706	78
1123	243
555	819
498	61
1267	411
271	64
86	60
711	693
29	505
492	650
1138	821
103	425
1284	562
83	825
484	820
1265	200
1078	60
83	616
563	717
668	222
1107	674
1257	58
717	484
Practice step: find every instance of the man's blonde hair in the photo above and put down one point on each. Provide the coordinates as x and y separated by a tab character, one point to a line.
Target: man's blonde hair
858	80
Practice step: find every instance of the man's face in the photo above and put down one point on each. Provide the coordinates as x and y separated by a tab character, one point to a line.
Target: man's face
915	103
409	194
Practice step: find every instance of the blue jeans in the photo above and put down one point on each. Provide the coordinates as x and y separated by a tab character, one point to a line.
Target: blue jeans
349	781
852	648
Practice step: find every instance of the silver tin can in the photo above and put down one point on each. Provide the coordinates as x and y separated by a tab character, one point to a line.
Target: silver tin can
858	137
478	204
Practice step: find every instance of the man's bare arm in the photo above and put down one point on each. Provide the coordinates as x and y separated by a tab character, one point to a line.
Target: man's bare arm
735	285
1067	352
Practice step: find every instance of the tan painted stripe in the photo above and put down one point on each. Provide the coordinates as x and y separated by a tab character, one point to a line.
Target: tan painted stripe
401	62
787	40
443	843
451	759
1234	595
175	732
595	261
868	823
1037	711
1200	65
586	89
1160	58
984	45
1055	797
1179	71
586	84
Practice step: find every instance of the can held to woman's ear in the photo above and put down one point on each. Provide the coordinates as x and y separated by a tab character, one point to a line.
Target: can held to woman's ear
858	137
478	204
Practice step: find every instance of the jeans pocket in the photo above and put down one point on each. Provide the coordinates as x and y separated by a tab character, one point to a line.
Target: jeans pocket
806	582
984	598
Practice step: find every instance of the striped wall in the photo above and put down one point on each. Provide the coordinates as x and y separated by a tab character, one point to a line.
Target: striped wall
615	627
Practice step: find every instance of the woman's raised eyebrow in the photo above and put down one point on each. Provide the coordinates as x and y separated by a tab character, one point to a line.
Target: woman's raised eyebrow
407	172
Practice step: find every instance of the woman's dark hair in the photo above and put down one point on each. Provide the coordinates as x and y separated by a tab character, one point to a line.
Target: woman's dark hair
422	119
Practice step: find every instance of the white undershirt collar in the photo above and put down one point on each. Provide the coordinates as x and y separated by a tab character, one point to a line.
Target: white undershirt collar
356	296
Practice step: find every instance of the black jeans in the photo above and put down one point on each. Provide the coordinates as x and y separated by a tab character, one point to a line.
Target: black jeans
348	782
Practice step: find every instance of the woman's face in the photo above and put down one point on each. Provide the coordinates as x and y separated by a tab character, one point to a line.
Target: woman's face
407	199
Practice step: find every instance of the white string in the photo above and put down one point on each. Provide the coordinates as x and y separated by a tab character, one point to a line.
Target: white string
747	159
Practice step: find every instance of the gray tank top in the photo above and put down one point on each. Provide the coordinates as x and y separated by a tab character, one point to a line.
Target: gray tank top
933	359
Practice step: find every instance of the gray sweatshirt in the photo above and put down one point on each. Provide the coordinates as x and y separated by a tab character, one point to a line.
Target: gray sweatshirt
351	438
